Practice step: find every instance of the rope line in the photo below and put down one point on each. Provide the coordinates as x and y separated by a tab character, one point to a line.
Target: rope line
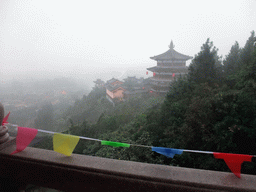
137	145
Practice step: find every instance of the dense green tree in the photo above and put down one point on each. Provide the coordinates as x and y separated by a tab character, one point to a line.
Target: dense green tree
206	67
247	76
247	51
232	62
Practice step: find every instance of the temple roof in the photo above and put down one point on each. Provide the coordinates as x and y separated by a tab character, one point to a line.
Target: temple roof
112	80
113	88
171	54
157	68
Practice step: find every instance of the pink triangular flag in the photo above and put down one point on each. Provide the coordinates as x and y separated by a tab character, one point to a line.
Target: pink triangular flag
5	119
24	137
233	161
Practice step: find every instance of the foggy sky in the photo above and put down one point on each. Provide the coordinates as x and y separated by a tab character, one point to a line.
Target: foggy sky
41	38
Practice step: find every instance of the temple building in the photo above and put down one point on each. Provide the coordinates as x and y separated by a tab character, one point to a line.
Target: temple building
170	65
114	89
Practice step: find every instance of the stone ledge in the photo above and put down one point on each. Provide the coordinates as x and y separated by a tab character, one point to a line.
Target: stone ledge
80	172
10	141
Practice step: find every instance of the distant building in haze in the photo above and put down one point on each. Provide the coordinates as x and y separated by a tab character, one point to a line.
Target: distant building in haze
170	65
135	87
99	83
114	89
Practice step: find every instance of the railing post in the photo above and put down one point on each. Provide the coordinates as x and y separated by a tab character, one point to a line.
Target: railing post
4	135
1	113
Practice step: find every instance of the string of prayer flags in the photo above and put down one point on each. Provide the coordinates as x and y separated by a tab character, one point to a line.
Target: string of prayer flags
64	144
24	137
233	161
168	152
5	119
114	144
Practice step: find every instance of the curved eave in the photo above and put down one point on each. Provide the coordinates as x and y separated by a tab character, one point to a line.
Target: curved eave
157	68
171	54
159	80
158	91
159	84
168	74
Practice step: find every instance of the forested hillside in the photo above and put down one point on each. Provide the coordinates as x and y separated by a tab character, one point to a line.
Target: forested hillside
211	109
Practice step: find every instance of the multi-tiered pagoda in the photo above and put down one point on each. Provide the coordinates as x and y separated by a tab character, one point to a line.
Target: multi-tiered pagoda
170	65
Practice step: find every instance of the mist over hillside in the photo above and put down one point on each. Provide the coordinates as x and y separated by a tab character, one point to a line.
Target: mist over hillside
83	79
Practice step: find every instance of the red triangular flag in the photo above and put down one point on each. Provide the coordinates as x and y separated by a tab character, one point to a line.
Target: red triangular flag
5	119
233	161
173	75
154	74
147	73
24	137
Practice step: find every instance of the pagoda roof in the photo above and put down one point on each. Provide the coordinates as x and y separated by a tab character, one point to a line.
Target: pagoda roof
171	54
157	68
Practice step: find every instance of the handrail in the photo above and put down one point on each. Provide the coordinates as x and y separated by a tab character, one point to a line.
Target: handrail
4	135
85	173
1	113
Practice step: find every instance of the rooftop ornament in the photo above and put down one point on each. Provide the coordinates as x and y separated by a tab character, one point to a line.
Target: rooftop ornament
171	46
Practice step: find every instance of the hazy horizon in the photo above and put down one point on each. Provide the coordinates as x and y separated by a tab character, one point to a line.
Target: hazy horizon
104	39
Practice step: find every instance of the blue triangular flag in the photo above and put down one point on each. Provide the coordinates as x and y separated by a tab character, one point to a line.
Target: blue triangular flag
168	152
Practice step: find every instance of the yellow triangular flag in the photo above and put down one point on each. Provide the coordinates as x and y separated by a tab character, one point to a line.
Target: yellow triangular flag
64	144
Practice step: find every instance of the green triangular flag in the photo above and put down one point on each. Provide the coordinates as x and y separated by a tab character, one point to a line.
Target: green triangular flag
115	144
